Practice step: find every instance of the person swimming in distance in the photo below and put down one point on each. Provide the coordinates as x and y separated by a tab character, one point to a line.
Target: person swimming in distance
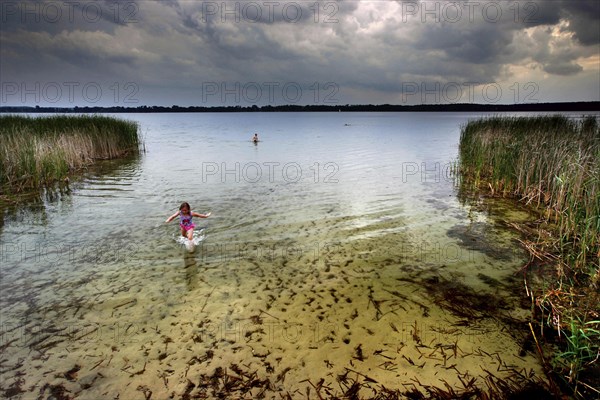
255	138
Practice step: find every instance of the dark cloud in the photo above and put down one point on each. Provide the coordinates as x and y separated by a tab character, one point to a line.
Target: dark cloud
368	48
55	16
584	20
536	13
563	68
478	44
583	17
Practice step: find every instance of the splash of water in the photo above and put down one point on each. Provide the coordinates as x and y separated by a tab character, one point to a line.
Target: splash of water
197	238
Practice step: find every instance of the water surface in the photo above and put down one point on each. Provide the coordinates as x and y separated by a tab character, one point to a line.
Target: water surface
337	246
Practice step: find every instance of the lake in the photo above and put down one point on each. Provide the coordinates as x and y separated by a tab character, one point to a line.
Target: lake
339	248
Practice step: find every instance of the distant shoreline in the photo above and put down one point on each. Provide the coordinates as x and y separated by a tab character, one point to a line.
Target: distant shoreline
532	107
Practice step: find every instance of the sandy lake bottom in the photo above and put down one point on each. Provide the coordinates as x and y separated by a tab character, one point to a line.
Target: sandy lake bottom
371	281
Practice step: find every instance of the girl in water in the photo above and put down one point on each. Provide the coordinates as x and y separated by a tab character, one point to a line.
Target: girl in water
185	220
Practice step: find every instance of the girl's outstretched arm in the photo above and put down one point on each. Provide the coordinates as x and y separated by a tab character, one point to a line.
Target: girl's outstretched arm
172	217
195	214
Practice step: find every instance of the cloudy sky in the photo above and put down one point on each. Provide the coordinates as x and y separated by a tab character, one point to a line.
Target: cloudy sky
181	52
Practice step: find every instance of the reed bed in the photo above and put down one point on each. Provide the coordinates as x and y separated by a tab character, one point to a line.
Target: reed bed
38	151
552	163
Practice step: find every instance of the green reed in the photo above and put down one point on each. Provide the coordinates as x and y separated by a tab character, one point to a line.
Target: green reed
552	163
37	151
582	348
549	161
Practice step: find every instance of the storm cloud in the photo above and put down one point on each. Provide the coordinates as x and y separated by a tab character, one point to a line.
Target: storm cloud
320	52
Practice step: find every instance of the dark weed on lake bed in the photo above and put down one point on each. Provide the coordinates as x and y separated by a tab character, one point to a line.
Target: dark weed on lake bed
240	383
327	303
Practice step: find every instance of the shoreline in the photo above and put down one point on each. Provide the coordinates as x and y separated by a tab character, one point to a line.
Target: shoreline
46	151
561	278
583	106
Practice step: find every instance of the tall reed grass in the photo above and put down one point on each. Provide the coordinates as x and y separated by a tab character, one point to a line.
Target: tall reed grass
550	161
36	151
553	163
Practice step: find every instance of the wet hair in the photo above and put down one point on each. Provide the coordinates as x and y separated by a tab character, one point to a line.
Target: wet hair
184	205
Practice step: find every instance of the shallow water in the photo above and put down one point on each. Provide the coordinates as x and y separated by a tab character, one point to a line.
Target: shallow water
337	245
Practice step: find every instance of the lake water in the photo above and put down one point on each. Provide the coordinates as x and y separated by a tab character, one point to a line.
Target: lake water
337	246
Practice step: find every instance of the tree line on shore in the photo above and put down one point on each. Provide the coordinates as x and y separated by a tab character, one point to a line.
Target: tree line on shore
462	107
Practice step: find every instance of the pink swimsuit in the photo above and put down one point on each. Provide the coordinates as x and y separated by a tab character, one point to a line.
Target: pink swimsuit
185	221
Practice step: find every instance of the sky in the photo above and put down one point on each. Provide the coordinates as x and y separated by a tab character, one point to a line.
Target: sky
228	53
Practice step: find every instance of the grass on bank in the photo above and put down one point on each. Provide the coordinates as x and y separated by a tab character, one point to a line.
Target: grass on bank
553	163
37	151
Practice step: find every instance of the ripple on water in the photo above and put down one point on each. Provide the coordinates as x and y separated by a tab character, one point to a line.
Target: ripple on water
372	278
